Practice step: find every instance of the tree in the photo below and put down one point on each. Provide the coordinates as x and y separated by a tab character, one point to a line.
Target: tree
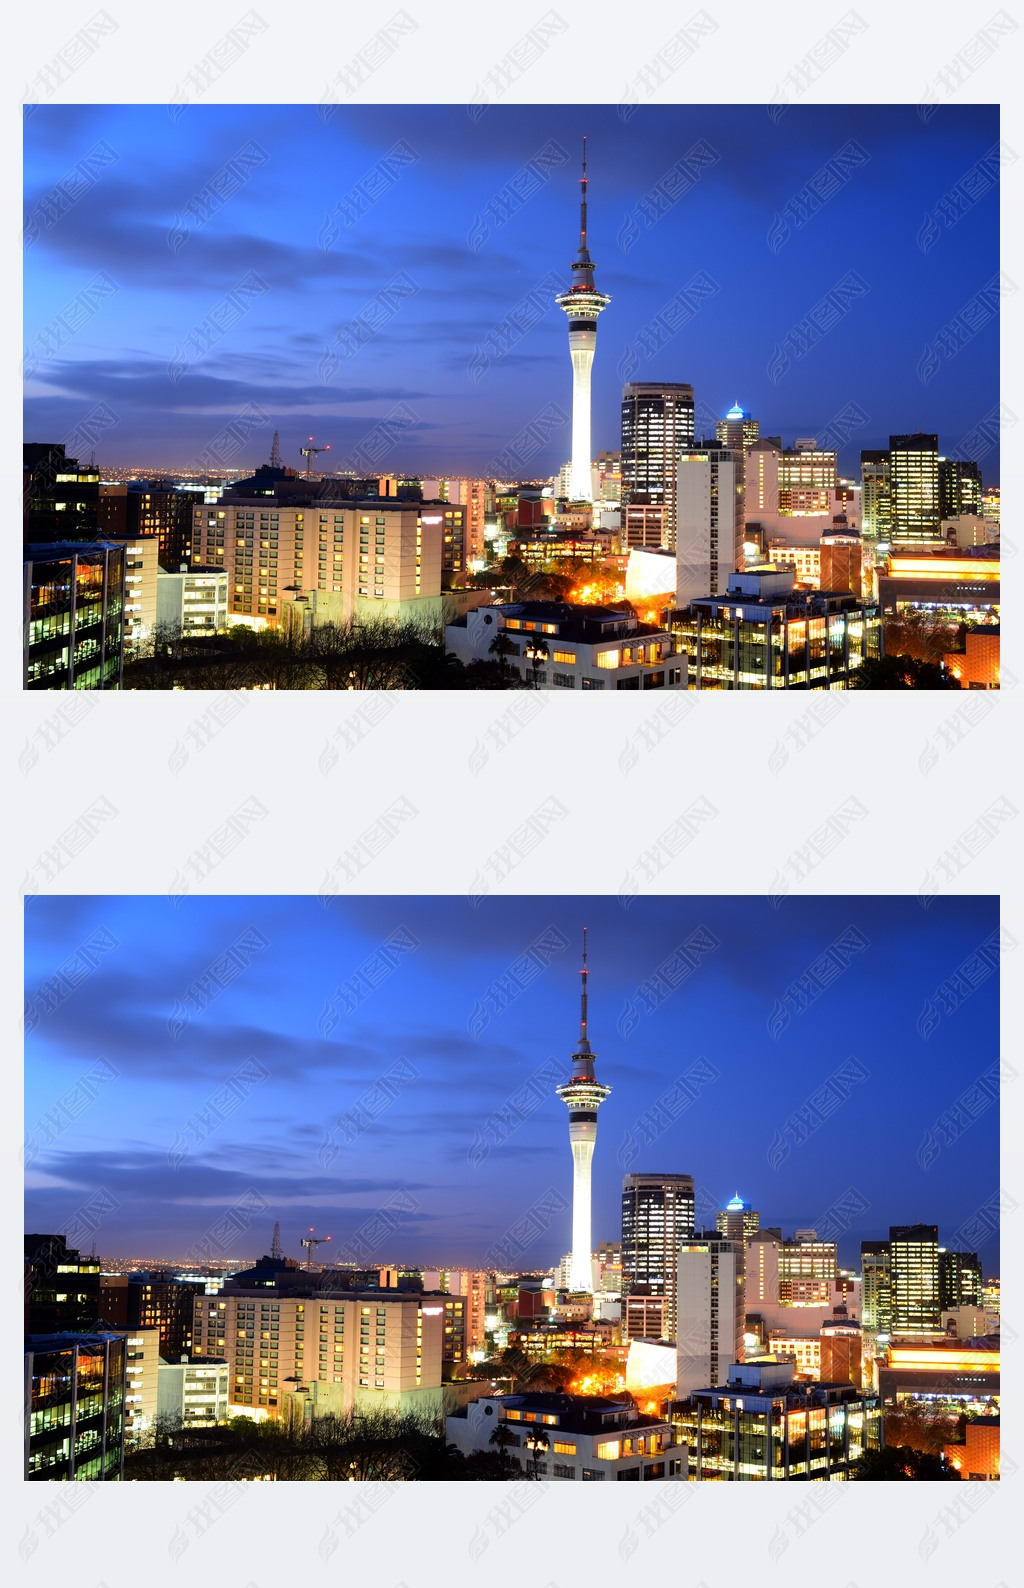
913	1425
537	651
501	647
901	1462
503	1437
537	1444
900	672
922	635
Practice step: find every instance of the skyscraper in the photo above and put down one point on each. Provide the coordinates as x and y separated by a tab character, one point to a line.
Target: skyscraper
737	1219
708	521
914	1278
657	1213
914	487
583	1097
959	1280
710	1312
737	429
875	500
582	304
657	426
876	1308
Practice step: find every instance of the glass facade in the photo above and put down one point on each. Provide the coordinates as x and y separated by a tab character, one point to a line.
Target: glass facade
792	1436
74	1401
914	487
74	616
657	1213
806	642
914	1278
657	424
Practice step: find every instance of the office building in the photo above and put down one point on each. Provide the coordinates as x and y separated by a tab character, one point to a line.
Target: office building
472	1286
761	1270
842	557
914	1279
583	1096
585	1438
959	1280
141	572
961	493
765	634
657	427
876	1305
710	1309
761	1425
62	1288
582	304
709	521
554	645
193	1392
803	561
74	1407
807	1268
876	501
329	558
657	1214
192	601
73	633
371	1349
60	496
737	429
804	1349
737	1219
806	479
761	478
141	1384
914	488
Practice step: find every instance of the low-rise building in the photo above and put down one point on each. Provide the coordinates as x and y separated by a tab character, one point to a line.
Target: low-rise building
192	601
977	665
584	1437
975	1451
763	1425
961	582
193	1392
558	646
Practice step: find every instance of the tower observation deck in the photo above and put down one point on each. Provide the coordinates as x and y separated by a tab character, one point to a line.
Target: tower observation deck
583	1095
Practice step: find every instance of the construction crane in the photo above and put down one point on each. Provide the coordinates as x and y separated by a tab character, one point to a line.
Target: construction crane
309	453
275	1245
310	1241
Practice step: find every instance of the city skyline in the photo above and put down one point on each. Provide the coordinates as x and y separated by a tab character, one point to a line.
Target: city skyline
404	261
333	1059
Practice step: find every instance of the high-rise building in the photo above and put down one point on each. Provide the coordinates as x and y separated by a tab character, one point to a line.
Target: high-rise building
582	305
875	496
876	1306
166	1304
657	427
960	489
74	1407
62	1288
710	1309
807	476
709	521
959	1280
761	1270
737	1219
73	631
914	488
761	479
60	496
914	1278
657	1214
583	1096
737	429
807	1268
471	1284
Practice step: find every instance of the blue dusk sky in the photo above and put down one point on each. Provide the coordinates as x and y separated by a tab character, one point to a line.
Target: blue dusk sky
280	230
318	1064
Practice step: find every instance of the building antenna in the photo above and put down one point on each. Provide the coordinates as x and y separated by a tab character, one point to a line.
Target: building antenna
275	1245
275	451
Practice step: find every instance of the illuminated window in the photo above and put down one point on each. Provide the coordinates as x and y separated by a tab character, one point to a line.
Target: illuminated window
609	1450
563	1447
608	659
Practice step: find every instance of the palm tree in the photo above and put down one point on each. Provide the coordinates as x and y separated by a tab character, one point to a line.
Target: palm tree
537	651
503	1437
536	1443
501	646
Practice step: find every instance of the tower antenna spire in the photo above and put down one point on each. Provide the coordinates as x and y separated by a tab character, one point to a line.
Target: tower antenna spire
583	998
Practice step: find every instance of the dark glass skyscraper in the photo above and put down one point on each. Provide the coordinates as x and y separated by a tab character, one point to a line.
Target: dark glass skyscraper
657	425
657	1213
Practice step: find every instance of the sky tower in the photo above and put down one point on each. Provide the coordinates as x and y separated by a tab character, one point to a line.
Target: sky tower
583	1096
582	303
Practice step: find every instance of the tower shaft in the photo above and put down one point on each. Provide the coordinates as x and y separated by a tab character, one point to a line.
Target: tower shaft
583	1096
